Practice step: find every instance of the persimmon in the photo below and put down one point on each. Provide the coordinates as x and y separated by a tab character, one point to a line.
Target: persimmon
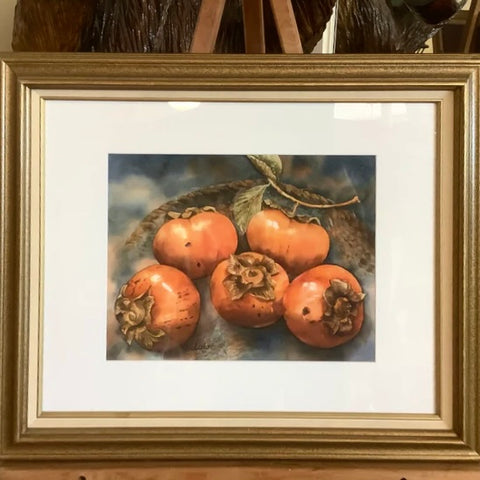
196	241
247	290
158	307
295	245
324	306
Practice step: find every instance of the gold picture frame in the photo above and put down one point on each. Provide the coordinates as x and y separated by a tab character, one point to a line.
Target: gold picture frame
450	433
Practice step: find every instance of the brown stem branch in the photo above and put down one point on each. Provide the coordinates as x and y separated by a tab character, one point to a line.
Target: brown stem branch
277	187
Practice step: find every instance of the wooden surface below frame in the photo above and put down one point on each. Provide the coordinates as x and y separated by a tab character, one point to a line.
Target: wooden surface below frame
328	471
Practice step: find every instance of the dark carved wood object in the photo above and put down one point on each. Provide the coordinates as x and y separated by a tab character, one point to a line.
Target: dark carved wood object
167	26
147	26
52	25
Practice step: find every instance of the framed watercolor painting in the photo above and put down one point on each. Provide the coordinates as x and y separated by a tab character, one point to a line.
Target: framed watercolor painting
217	257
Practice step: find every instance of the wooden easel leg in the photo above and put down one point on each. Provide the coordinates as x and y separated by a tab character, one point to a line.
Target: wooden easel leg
286	26
470	27
208	24
253	26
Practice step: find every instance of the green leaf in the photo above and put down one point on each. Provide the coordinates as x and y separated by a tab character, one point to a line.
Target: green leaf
270	166
246	204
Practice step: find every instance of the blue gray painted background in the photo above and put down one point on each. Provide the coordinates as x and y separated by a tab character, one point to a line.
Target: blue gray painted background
140	183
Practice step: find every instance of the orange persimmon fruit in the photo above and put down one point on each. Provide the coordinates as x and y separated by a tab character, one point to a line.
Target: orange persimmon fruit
295	245
324	306
158	308
195	242
247	290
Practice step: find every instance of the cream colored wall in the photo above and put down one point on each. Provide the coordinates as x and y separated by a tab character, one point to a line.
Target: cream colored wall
7	8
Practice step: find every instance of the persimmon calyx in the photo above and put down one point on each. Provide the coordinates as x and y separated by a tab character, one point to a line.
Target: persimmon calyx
190	212
249	274
341	307
135	318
